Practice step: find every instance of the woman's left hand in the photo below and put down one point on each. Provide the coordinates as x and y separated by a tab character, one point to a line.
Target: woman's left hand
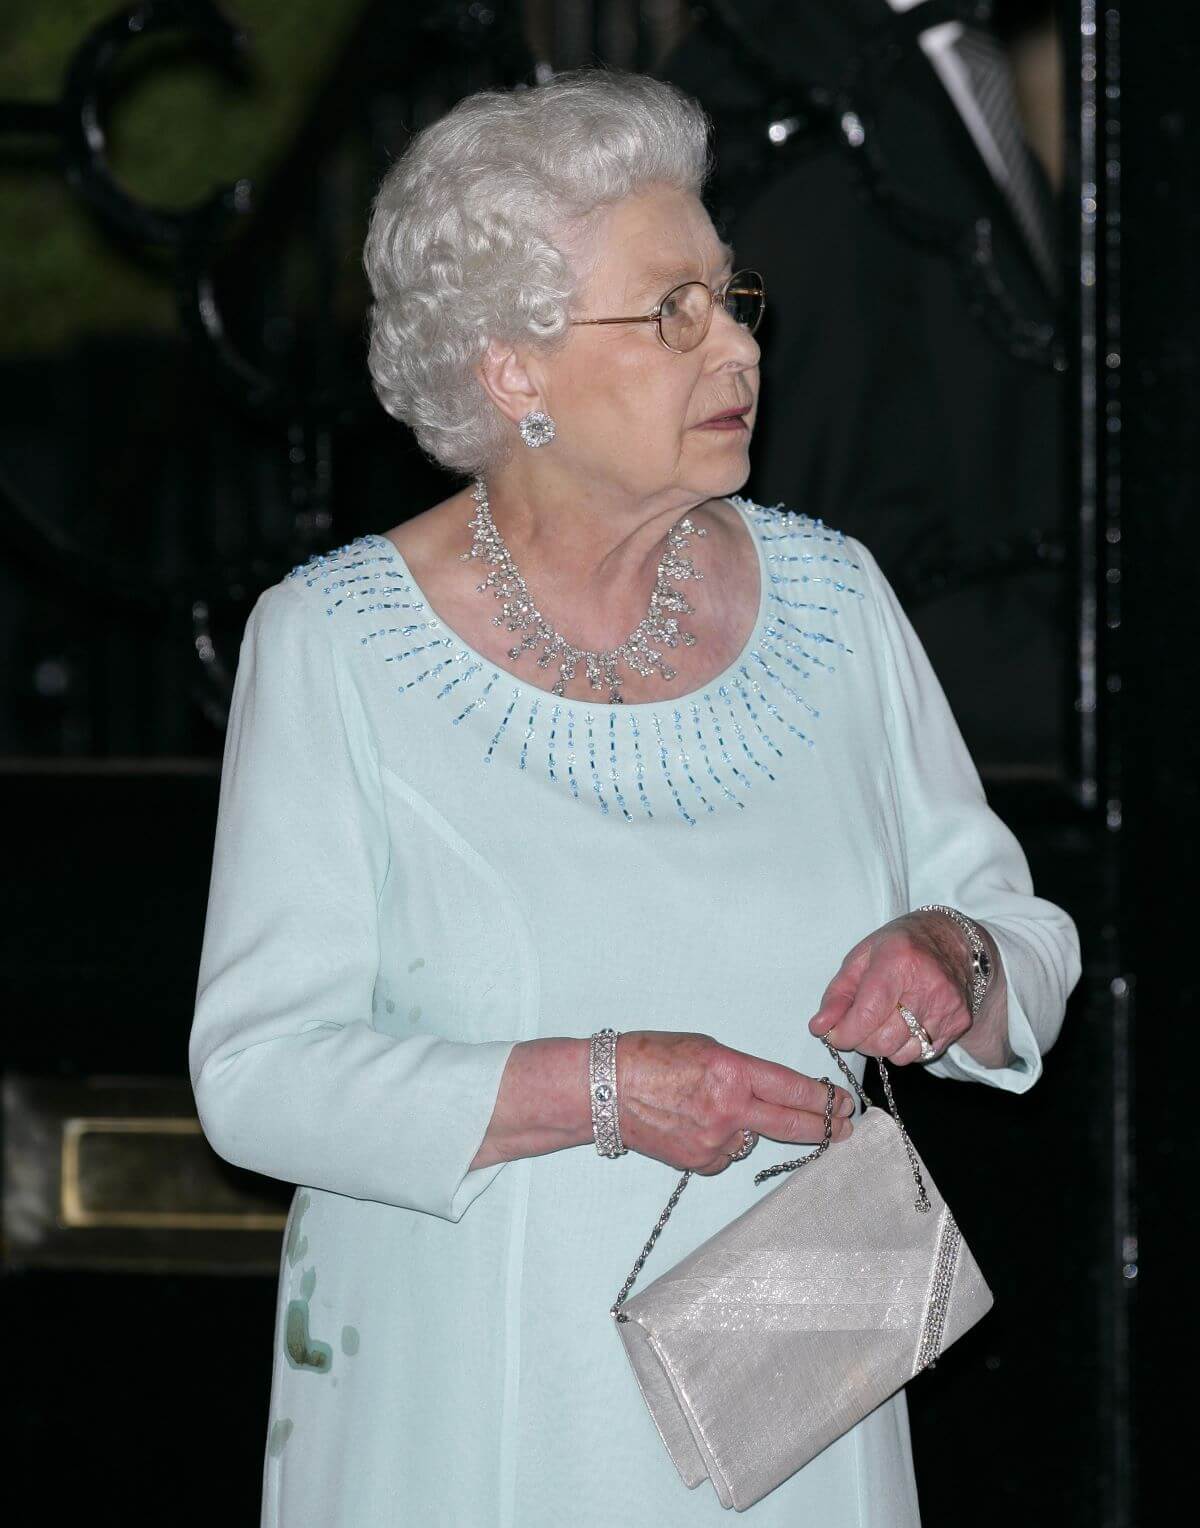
921	960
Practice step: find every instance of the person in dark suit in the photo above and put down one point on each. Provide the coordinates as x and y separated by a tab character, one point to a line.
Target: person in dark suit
871	162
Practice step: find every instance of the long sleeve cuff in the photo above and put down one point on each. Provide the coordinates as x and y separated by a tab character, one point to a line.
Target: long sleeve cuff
1033	994
461	1091
401	1124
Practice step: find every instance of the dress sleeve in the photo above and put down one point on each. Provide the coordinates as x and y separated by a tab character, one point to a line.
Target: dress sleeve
291	1077
958	852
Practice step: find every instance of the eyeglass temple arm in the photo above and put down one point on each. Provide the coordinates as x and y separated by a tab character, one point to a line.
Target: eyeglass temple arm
641	318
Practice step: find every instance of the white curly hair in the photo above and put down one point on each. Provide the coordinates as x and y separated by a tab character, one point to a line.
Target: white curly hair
460	248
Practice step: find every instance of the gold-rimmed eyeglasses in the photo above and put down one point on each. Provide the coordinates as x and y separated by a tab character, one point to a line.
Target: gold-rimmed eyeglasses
684	315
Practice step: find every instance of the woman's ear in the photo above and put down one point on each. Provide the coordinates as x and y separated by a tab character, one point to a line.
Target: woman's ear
506	379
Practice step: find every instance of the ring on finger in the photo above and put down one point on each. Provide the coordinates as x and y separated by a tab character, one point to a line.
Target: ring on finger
918	1031
749	1142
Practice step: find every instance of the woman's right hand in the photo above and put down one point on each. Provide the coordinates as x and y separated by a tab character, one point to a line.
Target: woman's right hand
685	1099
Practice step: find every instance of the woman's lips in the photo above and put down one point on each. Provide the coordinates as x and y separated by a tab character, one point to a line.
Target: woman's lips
733	420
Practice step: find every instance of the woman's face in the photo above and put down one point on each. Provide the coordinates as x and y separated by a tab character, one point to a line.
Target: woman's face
629	413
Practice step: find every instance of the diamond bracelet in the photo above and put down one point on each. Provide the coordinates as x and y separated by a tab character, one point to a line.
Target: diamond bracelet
981	961
602	1089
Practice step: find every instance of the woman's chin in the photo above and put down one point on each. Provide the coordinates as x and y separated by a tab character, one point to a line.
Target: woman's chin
723	456
731	476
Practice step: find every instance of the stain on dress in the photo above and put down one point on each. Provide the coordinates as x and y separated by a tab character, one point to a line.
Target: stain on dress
297	1245
303	1350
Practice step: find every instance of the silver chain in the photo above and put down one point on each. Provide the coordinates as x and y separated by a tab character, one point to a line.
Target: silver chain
826	1141
648	1248
922	1200
641	650
921	1203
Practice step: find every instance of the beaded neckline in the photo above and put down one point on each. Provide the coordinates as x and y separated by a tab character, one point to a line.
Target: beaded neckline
596	707
685	756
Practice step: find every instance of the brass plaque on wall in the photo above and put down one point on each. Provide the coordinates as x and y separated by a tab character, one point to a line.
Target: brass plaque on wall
114	1172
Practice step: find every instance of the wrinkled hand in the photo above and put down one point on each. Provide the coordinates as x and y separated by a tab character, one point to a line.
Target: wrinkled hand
685	1100
921	960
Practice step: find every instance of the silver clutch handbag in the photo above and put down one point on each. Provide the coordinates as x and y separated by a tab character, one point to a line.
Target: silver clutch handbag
781	1332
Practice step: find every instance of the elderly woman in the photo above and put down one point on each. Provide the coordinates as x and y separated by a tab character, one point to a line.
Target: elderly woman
592	744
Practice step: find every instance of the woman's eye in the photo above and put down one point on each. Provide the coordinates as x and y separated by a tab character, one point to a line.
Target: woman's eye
670	307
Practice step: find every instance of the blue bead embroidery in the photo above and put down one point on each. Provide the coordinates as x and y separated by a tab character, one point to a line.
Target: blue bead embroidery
639	768
662	759
592	767
687	766
571	780
533	711
500	729
710	747
703	746
613	771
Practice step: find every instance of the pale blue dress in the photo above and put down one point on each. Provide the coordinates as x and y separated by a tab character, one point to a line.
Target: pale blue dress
421	860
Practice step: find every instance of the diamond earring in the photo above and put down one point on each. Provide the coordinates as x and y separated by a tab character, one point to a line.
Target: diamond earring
537	429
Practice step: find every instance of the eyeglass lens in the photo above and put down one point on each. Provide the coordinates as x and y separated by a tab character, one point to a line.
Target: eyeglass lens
686	312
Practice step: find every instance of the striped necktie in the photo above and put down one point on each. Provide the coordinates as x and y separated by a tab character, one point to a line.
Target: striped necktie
976	74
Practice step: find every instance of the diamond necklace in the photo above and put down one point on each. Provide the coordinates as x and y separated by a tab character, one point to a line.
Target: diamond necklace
640	651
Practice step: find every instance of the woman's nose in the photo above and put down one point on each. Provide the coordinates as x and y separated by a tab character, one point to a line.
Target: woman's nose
731	343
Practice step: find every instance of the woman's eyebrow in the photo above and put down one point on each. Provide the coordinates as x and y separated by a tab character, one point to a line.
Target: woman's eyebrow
659	279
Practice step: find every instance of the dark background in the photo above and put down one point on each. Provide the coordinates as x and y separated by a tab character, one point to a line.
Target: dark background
185	416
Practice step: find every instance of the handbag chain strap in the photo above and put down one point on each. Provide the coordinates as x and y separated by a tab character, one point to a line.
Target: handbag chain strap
921	1203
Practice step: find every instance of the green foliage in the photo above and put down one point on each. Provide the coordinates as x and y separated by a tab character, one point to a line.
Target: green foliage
178	130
